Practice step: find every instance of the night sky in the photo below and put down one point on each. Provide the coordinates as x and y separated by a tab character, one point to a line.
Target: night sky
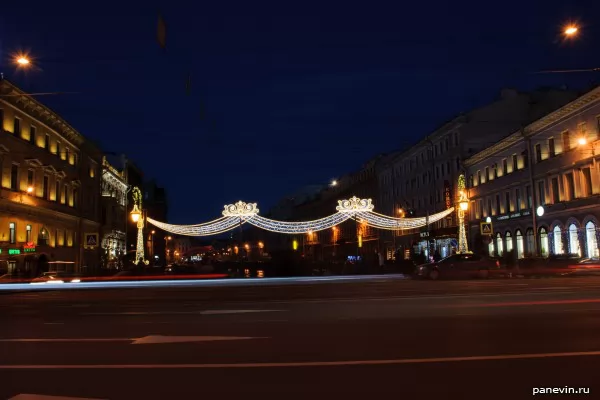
283	94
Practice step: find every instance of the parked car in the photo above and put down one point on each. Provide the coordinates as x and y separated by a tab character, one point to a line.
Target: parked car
458	266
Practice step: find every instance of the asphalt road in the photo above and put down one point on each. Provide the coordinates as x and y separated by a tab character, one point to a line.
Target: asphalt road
380	337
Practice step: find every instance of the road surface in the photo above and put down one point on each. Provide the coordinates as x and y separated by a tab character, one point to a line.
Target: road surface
369	338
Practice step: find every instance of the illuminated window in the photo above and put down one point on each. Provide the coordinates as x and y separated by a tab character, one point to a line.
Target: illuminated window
520	245
12	236
509	242
92	172
530	241
591	239
558	243
574	241
28	234
499	245
544	248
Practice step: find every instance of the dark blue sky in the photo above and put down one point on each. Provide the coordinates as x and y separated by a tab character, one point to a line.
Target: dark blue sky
293	93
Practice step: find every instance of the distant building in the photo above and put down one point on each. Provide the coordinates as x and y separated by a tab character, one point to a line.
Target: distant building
552	163
50	195
351	238
422	179
114	215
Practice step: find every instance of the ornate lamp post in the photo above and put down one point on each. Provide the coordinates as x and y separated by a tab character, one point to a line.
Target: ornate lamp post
137	216
463	205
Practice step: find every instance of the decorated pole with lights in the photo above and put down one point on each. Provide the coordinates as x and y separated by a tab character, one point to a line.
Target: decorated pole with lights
137	217
463	205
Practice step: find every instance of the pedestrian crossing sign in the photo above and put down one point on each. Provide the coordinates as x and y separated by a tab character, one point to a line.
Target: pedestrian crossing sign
91	240
486	228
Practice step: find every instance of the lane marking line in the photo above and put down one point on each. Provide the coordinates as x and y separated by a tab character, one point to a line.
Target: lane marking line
305	363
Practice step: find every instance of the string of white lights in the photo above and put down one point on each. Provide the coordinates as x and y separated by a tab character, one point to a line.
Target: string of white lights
384	222
210	228
299	227
239	213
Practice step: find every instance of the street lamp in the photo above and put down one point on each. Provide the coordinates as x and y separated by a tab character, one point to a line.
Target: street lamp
30	189
137	217
334	183
22	60
463	206
582	141
571	30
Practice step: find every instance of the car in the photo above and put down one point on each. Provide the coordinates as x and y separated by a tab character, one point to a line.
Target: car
549	266
55	278
585	266
458	266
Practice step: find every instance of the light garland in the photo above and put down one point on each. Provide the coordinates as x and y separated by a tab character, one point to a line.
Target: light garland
299	227
384	222
218	226
239	213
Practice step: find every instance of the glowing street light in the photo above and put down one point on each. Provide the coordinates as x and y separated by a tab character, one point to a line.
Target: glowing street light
334	183
30	189
582	141
22	60
571	30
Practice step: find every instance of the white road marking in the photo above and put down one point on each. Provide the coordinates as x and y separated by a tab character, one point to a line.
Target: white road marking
557	288
154	339
151	339
54	323
206	312
304	363
24	396
216	312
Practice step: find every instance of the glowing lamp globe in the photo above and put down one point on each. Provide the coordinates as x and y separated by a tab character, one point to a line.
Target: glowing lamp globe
135	213
464	205
540	211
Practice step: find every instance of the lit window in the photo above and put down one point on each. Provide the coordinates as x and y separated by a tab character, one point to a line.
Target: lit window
12	233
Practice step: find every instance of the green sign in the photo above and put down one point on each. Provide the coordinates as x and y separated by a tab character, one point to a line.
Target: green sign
13	252
28	249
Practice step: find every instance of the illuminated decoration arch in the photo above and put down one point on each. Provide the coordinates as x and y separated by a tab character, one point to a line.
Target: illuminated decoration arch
239	213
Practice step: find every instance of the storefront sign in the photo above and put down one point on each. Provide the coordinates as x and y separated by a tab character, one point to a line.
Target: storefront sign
448	194
29	247
14	252
424	234
514	215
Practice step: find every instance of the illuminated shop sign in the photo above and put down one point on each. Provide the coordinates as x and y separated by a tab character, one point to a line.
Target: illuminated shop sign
29	248
514	215
13	252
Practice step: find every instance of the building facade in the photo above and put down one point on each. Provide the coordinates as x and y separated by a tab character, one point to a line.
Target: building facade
49	201
349	239
421	180
540	186
113	215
